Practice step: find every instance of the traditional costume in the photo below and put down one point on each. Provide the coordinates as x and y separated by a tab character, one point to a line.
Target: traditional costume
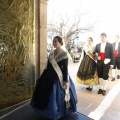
116	48
105	51
50	98
87	72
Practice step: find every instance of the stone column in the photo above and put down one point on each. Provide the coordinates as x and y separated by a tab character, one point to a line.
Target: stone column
40	36
43	34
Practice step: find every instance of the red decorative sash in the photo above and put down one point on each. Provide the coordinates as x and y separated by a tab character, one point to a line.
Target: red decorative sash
102	55
116	53
90	54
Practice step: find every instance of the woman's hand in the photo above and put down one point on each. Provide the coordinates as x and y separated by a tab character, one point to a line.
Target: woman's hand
65	84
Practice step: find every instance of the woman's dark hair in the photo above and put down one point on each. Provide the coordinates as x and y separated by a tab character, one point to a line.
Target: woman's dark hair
59	39
91	38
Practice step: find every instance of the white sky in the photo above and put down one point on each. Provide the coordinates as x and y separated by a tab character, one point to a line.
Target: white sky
106	12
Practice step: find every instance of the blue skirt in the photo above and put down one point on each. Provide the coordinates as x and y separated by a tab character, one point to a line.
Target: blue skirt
57	105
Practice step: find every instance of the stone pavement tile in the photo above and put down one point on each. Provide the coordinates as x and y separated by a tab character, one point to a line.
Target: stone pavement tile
83	104
82	111
89	107
115	104
113	114
90	96
97	116
94	111
99	113
112	84
77	87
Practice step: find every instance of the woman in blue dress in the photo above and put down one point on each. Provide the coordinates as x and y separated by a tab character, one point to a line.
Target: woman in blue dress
55	94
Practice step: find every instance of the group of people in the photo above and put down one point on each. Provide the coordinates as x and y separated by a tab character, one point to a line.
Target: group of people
55	95
96	62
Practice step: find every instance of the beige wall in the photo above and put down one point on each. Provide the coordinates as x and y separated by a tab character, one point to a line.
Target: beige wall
40	36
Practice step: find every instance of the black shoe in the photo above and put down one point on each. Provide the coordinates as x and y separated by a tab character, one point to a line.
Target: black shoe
113	79
118	76
104	92
99	91
88	88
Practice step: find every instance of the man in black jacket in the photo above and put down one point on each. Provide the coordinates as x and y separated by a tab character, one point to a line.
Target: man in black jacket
105	61
116	48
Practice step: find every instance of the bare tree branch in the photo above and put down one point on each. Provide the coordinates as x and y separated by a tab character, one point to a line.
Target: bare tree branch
68	30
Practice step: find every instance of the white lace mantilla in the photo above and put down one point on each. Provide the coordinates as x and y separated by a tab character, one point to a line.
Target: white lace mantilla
61	55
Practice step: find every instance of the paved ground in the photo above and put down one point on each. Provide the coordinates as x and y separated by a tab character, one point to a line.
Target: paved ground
94	105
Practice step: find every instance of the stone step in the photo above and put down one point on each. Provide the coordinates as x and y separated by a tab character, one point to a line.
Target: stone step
25	112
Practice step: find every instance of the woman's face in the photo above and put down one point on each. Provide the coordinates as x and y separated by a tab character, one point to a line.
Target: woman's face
56	44
89	41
